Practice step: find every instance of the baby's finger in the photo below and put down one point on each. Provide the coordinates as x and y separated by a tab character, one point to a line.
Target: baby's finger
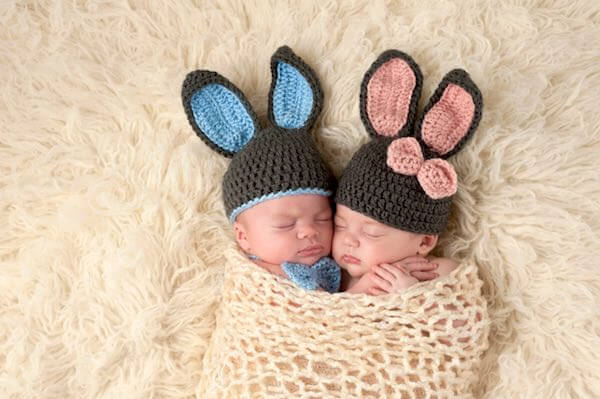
375	291
385	273
422	266
396	271
380	282
424	276
416	258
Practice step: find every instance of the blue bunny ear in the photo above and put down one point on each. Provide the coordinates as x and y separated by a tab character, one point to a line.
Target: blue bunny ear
218	112
295	97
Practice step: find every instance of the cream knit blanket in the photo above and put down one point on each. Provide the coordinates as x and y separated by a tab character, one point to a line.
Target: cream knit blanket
273	339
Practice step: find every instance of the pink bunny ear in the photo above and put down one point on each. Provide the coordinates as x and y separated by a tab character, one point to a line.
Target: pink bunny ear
452	115
438	178
389	94
448	121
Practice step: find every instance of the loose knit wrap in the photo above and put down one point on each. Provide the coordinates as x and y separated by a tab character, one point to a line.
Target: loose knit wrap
275	340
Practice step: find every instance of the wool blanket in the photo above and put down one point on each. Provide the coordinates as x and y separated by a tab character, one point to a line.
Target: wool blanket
273	339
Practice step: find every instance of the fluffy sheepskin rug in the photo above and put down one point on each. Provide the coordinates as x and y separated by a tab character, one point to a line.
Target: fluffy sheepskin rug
112	232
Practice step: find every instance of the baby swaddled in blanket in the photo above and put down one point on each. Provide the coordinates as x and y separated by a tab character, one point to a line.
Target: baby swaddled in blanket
273	339
277	189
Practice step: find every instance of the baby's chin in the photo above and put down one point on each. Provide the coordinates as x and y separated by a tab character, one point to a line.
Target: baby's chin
353	270
307	260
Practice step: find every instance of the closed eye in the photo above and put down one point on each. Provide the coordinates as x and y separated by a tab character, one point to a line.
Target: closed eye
285	226
373	234
338	224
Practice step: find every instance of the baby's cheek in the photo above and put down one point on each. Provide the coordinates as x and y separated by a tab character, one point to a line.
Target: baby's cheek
377	253
276	249
335	251
356	270
328	239
336	239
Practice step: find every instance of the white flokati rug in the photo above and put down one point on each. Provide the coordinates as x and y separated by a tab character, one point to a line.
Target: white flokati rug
112	233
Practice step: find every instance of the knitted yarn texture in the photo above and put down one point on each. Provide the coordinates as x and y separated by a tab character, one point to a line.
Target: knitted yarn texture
401	178
273	162
275	340
324	274
369	186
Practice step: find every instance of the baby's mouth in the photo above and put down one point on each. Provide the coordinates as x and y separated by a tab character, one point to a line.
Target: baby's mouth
349	259
311	251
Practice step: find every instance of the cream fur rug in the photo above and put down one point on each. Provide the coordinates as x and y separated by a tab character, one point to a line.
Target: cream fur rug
112	229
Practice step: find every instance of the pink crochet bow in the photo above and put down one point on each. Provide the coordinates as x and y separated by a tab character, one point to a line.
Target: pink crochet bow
436	176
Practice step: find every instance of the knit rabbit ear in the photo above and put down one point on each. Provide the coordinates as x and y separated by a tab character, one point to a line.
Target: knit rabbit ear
389	95
218	112
451	116
295	97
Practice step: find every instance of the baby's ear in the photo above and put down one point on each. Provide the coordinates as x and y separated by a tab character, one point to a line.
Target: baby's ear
389	95
295	97
218	112
427	243
451	116
241	237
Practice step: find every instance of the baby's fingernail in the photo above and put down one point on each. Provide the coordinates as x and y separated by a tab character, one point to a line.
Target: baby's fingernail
435	265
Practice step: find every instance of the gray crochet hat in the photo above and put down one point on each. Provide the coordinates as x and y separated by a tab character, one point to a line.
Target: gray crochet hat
274	162
401	178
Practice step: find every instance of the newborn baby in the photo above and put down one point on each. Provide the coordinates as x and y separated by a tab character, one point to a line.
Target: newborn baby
394	197
277	188
295	229
380	259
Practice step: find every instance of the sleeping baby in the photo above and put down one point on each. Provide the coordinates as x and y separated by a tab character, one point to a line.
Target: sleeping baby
395	195
277	190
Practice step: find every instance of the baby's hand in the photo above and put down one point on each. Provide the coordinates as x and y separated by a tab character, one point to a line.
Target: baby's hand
389	279
419	267
364	284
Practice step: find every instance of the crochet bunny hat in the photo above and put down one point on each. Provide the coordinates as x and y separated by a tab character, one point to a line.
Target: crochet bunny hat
401	178
269	163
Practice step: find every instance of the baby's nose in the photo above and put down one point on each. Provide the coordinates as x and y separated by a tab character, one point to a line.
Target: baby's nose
307	231
350	240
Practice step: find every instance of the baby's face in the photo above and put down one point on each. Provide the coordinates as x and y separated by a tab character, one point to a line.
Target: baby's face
295	229
360	242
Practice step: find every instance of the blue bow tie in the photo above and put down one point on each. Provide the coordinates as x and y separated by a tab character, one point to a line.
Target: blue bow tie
325	273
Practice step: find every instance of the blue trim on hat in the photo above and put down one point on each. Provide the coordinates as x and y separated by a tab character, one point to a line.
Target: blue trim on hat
293	98
222	117
298	191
